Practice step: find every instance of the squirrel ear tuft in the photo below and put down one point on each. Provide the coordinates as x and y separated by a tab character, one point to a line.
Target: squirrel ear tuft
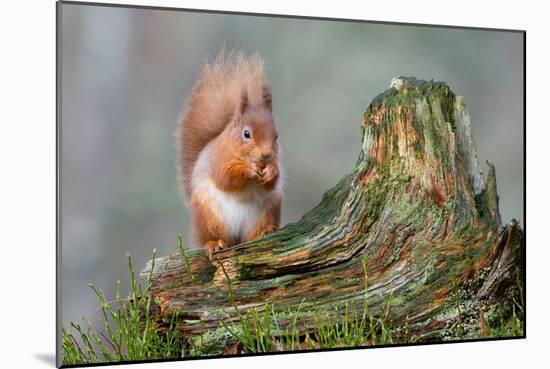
267	97
244	101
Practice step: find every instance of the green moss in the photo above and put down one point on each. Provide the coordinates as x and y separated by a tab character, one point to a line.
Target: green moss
418	149
409	210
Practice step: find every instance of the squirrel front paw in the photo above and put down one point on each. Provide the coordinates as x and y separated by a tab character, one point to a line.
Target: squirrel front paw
253	172
269	175
213	246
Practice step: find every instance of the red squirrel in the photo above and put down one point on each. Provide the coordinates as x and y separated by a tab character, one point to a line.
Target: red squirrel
229	155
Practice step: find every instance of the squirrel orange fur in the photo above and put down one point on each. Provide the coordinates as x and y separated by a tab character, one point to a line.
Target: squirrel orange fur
229	157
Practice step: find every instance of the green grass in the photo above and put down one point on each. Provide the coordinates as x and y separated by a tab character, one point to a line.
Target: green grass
128	330
260	331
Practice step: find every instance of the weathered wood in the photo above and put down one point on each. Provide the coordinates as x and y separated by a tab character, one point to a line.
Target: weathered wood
415	205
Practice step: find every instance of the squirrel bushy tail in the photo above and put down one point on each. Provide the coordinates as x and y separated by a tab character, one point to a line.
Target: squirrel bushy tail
212	105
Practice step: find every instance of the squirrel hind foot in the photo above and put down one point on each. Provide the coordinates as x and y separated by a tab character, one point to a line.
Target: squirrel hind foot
214	246
268	229
255	234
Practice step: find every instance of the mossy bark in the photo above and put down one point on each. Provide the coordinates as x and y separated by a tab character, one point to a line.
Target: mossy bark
415	205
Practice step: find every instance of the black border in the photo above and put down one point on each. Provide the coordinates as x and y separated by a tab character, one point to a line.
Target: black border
58	85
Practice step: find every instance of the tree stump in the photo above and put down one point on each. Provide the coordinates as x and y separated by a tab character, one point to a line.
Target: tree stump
415	210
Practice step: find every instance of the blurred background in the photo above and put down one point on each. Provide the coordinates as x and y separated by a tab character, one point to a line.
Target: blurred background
125	74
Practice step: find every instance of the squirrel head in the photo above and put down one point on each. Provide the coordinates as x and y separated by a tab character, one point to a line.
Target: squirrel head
253	130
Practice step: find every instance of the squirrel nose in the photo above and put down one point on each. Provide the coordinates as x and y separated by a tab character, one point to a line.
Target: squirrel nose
266	157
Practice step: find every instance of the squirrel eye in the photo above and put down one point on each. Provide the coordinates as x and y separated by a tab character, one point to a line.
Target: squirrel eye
246	134
276	135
